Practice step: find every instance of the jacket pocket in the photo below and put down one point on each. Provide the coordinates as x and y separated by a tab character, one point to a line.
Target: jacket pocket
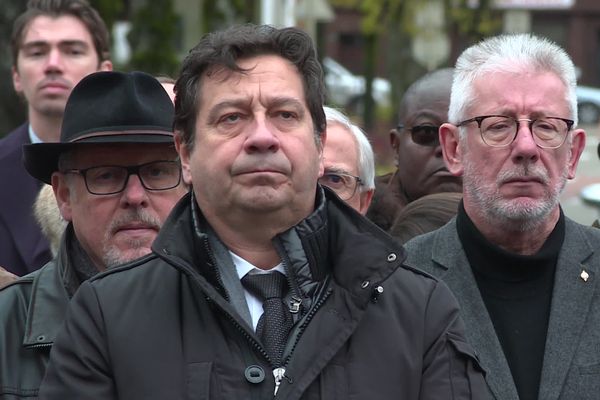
467	376
198	381
583	383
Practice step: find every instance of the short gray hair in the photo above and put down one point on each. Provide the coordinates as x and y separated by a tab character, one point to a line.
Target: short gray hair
366	157
509	53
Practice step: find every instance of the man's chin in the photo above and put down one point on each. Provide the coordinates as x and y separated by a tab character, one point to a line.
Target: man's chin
116	256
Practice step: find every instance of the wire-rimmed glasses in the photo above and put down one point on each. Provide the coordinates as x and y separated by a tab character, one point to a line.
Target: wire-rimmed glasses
344	185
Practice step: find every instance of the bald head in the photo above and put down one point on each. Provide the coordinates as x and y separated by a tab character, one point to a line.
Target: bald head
431	91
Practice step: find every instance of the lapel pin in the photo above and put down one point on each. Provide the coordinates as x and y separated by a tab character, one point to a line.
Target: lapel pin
584	275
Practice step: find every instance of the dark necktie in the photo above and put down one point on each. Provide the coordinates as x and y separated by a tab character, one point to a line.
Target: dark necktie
276	321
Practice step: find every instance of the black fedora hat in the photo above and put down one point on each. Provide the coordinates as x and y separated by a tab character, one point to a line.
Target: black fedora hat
106	107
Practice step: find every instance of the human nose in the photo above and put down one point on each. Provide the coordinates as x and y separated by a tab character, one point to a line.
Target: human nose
54	61
134	194
261	138
524	144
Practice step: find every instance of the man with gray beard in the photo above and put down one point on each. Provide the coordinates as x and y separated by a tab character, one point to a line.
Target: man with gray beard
524	274
116	176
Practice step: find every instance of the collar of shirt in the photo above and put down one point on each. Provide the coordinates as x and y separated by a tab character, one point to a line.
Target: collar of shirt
33	137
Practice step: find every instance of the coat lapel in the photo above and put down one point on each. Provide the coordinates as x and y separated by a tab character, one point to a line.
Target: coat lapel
571	300
448	254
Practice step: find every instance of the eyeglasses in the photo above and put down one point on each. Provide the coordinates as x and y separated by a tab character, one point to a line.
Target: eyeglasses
112	179
500	130
344	185
424	135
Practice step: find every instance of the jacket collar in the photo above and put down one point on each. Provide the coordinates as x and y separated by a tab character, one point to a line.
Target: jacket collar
50	296
328	239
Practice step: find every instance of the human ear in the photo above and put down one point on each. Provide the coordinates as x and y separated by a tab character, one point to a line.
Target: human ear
451	149
184	155
62	192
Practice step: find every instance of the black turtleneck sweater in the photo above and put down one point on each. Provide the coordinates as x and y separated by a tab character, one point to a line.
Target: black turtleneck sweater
517	292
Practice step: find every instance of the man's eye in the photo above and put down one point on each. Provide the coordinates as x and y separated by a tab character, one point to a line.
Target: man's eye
231	118
34	53
333	180
104	174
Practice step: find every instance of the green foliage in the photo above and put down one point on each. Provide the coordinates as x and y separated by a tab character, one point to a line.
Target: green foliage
110	10
152	38
474	22
217	15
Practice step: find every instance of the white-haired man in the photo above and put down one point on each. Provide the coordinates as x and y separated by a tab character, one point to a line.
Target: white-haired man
348	161
524	274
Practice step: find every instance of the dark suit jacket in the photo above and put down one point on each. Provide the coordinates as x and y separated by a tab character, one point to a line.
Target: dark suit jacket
571	368
23	247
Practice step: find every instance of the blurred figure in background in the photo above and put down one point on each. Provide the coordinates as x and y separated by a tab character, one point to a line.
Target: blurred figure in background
425	214
349	161
54	44
420	168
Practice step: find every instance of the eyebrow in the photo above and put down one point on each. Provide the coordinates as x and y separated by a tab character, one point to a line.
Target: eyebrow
62	43
282	101
337	170
216	110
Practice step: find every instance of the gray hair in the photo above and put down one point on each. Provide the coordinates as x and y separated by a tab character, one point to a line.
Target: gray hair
366	157
512	54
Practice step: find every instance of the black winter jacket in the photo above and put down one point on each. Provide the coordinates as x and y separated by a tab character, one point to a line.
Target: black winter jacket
32	310
162	327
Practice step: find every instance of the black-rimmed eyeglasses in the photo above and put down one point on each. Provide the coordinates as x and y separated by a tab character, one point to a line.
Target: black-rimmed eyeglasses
112	179
500	130
424	135
344	185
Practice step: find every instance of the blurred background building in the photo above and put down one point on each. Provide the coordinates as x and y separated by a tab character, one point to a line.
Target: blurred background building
371	50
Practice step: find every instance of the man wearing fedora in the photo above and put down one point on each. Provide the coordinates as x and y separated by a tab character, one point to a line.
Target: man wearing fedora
116	176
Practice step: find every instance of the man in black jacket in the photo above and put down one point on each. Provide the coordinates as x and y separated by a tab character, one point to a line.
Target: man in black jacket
187	321
116	177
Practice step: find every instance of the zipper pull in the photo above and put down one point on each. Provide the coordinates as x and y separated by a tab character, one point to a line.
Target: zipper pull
278	374
295	303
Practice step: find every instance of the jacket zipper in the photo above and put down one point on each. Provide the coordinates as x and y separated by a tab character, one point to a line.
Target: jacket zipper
278	372
39	346
311	313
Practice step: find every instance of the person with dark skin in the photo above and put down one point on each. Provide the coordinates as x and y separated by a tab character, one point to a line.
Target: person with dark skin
420	168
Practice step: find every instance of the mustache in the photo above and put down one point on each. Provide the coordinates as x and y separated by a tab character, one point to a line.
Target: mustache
137	216
525	171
